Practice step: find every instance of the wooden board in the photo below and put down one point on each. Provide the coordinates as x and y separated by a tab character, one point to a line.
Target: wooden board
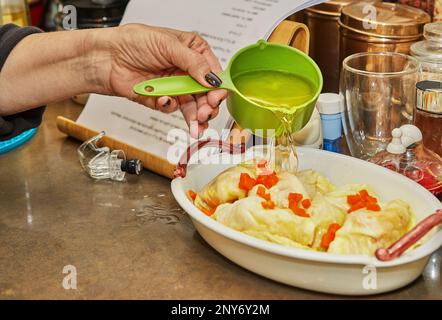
287	32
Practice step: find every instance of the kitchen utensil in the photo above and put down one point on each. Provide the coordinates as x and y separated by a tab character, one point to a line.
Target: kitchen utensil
379	27
319	271
409	239
249	114
378	91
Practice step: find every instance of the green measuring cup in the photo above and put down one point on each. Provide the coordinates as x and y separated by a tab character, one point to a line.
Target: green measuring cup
248	114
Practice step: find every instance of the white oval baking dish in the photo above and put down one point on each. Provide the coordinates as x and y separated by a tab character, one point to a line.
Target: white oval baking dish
330	273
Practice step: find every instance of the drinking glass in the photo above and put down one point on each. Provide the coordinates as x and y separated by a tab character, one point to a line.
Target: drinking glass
379	95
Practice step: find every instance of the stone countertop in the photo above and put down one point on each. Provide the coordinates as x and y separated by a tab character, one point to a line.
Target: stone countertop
126	240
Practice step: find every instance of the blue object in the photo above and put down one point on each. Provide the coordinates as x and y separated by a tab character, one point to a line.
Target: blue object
332	131
17	141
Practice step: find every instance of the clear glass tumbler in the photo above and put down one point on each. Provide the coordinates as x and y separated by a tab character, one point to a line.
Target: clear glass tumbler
379	95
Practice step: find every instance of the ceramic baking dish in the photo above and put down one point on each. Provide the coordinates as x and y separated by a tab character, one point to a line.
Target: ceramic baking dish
331	273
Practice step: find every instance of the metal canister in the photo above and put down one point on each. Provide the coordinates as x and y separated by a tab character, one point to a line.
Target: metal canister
380	27
322	21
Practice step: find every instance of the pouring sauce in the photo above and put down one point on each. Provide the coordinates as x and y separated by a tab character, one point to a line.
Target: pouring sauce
277	91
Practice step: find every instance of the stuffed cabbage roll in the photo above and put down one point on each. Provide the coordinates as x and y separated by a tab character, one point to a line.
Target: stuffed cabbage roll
248	215
365	231
288	183
324	212
224	188
314	182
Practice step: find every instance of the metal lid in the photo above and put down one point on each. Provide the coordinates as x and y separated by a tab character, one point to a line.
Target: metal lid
429	96
389	20
332	8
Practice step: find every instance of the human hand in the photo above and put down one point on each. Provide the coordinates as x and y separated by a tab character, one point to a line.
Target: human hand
139	52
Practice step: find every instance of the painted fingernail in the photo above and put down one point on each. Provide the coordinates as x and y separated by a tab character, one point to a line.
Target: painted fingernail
167	103
213	79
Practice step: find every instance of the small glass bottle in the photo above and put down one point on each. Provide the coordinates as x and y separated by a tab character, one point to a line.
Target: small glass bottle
428	113
102	163
16	12
407	155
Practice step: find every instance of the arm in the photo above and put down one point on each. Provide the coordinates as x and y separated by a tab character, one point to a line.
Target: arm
44	68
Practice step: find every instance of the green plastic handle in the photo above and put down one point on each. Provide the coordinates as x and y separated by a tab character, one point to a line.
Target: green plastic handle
174	86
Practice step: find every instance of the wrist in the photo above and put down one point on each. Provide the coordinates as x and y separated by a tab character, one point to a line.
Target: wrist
97	59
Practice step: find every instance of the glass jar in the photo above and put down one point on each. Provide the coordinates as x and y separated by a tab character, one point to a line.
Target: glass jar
15	11
428	113
407	155
429	52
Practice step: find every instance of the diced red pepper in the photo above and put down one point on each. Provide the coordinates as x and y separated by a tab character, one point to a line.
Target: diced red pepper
268	204
330	235
246	182
191	194
306	203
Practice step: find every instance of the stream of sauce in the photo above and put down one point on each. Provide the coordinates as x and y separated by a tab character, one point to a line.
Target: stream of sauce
277	91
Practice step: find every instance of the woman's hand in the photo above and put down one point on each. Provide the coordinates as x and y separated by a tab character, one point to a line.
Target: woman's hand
137	52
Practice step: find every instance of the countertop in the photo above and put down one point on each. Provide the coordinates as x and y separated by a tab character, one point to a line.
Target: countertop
127	240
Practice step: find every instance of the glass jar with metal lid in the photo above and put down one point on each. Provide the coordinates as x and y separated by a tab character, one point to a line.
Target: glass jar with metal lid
429	52
380	27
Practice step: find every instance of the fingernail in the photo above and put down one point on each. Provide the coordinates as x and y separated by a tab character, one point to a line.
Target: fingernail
167	103
213	79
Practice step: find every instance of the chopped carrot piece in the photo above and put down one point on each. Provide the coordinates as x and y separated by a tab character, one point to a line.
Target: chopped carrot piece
364	194
268	180
295	197
362	200
262	164
191	194
246	182
353	199
208	212
372	200
330	235
262	193
299	211
306	203
268	204
356	206
373	207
